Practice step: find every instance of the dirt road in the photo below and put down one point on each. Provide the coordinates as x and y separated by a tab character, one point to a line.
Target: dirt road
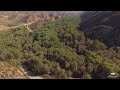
29	74
26	25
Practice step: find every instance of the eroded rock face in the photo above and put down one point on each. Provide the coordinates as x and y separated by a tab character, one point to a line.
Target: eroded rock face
102	25
10	72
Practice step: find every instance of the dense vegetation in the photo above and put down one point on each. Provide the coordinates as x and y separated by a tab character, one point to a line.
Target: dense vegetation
58	49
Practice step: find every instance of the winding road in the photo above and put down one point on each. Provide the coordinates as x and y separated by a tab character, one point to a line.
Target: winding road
26	25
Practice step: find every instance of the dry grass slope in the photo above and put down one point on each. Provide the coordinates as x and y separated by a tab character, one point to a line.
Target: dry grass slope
9	72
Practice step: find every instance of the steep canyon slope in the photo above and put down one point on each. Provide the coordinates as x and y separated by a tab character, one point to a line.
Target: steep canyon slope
102	25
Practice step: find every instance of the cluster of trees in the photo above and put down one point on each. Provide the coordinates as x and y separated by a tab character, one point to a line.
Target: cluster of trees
59	50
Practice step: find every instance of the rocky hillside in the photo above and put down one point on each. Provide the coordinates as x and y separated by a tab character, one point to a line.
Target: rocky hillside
13	18
102	25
